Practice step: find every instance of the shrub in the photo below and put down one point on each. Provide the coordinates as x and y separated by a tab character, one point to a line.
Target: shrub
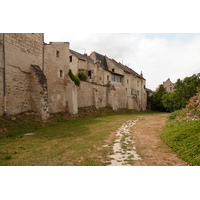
192	110
82	76
74	78
183	91
173	115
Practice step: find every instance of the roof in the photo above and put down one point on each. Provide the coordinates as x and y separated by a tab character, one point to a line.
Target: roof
149	90
102	60
127	69
83	57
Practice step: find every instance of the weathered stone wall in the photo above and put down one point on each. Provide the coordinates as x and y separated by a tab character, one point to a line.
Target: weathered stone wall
21	51
18	90
91	95
122	97
24	49
71	96
55	69
74	64
37	80
1	74
39	93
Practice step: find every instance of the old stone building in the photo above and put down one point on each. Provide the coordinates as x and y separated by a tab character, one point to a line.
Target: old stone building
56	66
34	77
168	85
130	85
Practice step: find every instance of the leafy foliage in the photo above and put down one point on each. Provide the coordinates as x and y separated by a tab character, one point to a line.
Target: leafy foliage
176	100
157	103
74	78
82	76
192	110
183	91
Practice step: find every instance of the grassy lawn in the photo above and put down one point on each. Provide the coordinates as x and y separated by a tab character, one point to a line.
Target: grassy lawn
184	138
62	143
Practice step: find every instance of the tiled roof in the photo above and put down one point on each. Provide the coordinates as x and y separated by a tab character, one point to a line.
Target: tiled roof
102	60
82	56
127	69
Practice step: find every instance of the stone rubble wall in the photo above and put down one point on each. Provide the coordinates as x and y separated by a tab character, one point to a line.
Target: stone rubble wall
39	94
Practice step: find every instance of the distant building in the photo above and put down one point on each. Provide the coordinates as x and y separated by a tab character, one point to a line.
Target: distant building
168	85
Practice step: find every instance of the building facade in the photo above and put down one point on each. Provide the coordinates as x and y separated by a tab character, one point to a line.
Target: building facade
168	85
34	77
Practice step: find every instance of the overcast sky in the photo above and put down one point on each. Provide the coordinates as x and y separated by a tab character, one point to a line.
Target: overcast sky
159	56
154	37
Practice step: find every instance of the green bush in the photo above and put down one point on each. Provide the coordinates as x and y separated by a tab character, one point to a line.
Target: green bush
74	78
173	115
82	76
183	91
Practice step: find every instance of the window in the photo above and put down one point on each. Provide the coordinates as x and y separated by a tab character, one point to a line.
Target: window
57	54
107	78
116	78
113	70
70	58
127	81
61	73
90	74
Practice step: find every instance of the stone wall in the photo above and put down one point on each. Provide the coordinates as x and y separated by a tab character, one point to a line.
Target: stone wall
25	49
39	93
91	95
55	69
37	80
1	74
21	51
71	96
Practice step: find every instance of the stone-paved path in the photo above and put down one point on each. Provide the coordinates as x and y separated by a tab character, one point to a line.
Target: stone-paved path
139	143
124	150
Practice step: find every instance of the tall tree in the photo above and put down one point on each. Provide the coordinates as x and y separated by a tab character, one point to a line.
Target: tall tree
183	91
157	103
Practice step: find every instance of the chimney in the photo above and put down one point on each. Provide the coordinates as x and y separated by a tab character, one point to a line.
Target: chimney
141	74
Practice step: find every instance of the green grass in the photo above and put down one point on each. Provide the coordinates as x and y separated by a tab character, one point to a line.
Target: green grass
184	138
59	142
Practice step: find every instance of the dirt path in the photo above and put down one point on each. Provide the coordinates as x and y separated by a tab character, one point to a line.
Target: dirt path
141	145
